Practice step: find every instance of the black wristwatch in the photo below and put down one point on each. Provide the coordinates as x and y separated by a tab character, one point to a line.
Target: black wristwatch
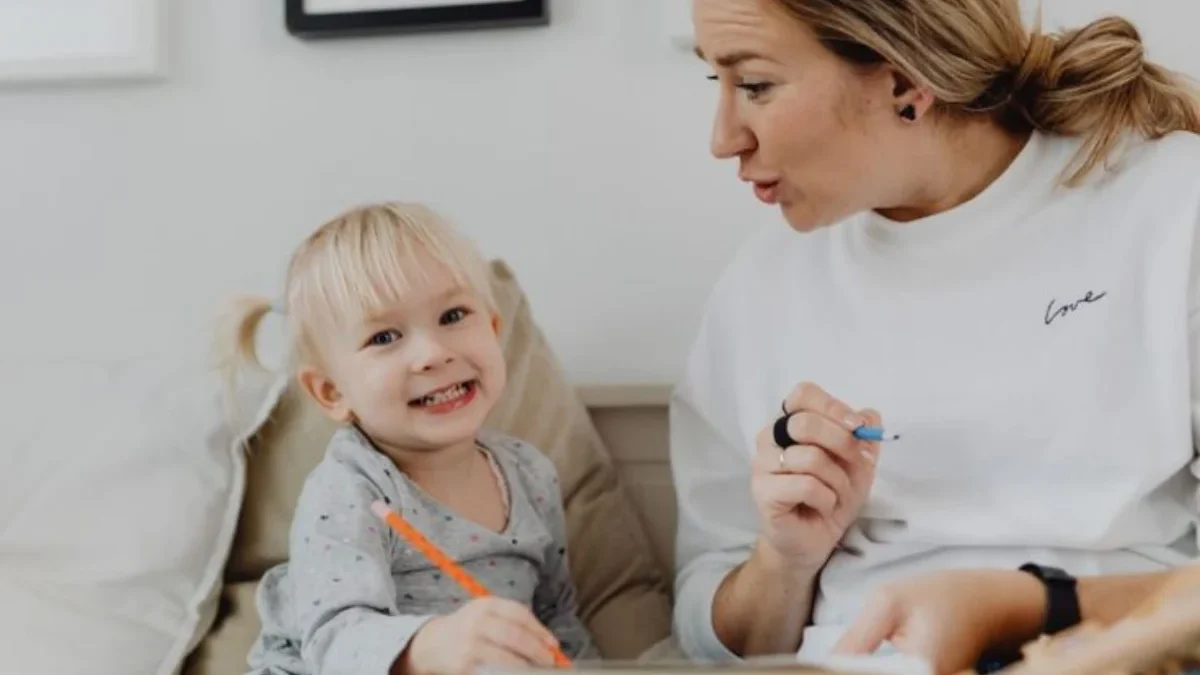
1062	600
1062	612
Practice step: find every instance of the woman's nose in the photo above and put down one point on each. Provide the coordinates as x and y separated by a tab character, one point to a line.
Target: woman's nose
730	136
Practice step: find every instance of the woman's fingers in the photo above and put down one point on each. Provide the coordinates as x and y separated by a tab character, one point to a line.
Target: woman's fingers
810	397
808	460
869	450
807	428
816	418
878	621
786	492
825	464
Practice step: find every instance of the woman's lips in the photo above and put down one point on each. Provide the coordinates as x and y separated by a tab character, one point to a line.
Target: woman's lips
767	193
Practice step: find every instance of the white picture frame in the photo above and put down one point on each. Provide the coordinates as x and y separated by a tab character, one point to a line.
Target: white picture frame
50	41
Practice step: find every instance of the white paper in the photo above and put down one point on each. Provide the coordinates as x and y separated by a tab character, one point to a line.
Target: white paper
885	664
340	6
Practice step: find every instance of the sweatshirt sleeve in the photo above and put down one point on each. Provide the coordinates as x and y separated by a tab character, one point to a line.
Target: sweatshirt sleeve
340	577
1194	359
717	521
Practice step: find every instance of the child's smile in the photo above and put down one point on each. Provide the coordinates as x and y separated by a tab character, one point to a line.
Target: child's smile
447	399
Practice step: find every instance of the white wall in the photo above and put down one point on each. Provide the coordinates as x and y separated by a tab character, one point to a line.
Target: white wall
577	151
1168	27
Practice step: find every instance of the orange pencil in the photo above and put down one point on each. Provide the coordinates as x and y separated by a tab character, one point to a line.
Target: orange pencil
443	561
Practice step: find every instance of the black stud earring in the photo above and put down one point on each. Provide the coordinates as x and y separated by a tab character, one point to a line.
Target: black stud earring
909	112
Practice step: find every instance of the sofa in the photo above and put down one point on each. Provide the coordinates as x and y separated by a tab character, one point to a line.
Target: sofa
142	553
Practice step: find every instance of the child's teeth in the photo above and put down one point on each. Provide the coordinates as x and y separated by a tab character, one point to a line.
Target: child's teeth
443	396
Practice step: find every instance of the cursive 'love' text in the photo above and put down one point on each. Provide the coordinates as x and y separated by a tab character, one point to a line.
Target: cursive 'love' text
1053	313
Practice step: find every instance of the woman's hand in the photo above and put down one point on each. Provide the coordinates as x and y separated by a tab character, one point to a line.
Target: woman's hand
489	631
810	493
949	618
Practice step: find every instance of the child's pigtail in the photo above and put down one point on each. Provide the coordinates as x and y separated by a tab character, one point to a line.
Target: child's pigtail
235	345
234	352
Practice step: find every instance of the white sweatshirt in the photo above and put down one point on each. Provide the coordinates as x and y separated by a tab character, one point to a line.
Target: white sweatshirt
1035	348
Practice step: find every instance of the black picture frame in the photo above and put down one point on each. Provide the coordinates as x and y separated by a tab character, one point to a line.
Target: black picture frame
480	15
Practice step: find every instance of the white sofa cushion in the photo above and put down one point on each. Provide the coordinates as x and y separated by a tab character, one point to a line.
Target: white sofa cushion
119	497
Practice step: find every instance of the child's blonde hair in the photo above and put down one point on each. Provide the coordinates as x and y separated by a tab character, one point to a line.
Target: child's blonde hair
350	267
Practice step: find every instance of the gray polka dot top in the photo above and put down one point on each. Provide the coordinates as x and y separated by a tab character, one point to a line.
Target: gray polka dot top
353	593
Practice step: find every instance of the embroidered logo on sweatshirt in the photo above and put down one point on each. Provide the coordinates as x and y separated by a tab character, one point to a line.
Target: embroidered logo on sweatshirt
1055	311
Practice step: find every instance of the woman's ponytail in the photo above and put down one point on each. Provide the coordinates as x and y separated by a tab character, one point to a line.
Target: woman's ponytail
1095	83
978	58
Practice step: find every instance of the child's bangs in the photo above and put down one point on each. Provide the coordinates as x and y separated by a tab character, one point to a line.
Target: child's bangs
369	270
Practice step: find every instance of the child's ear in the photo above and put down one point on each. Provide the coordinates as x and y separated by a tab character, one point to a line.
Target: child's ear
326	394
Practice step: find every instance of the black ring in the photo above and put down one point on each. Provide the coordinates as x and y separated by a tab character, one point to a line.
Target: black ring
782	439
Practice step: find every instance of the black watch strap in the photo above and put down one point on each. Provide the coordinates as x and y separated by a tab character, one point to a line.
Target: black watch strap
1062	599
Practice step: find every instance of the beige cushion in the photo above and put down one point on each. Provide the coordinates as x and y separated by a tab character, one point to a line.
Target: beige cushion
623	593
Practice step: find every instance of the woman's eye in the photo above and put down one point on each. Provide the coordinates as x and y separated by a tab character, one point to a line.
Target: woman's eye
455	315
755	89
385	337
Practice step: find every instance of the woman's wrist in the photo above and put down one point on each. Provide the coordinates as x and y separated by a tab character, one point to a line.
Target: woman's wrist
1019	602
761	607
773	564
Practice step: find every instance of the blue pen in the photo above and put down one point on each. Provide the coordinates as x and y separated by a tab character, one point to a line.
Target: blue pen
867	433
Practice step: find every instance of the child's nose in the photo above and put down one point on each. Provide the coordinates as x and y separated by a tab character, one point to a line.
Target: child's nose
431	353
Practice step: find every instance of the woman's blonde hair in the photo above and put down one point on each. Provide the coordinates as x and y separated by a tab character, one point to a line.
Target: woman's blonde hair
977	57
350	267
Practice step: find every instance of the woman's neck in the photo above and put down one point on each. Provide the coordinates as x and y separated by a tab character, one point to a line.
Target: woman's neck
954	163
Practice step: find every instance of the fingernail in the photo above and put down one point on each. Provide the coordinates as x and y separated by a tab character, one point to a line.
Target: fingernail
853	421
868	456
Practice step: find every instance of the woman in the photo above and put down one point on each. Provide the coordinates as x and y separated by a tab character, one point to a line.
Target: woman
990	253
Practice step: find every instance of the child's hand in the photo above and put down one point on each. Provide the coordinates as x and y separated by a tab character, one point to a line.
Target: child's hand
485	632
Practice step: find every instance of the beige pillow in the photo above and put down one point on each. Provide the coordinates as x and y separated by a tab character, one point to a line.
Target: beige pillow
623	593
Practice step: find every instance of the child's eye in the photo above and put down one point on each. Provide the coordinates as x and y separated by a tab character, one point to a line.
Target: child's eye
385	337
455	315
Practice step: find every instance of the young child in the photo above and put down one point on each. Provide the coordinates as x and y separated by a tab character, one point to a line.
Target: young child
394	335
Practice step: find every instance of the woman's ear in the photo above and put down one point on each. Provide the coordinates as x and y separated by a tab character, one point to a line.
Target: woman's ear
910	101
325	393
